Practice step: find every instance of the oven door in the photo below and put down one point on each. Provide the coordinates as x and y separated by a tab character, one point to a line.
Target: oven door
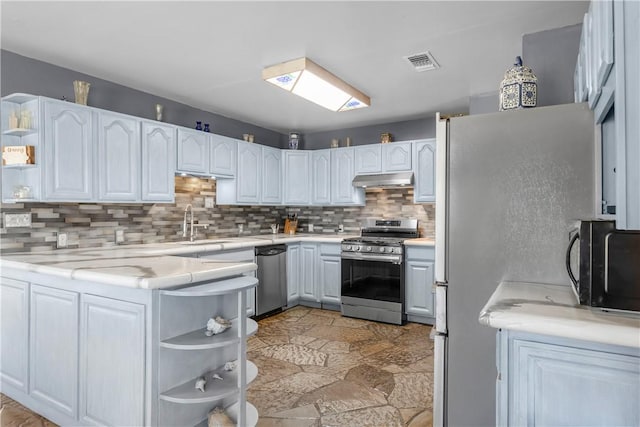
373	287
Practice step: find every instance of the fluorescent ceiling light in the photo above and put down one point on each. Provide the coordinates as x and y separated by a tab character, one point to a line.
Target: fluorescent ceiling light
312	82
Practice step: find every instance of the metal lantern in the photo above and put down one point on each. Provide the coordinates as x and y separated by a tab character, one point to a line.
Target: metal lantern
519	88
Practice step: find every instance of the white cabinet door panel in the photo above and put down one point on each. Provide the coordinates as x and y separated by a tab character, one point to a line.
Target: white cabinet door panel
112	366
297	177
223	156
419	285
425	172
330	274
193	151
396	156
54	348
249	173
14	330
368	158
308	265
158	162
68	146
293	273
118	157
342	173
272	176
321	168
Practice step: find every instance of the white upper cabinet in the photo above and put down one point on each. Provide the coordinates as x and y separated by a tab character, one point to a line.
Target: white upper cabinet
297	177
321	182
396	156
68	165
118	157
368	158
272	176
193	151
223	156
425	171
249	177
342	173
158	162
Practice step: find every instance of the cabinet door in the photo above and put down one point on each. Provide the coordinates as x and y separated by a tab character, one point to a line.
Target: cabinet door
53	358
293	274
419	282
223	156
272	176
14	329
308	264
368	158
297	174
602	26
193	151
68	146
118	157
342	172
158	162
249	173
396	156
330	274
112	362
321	182
425	172
554	385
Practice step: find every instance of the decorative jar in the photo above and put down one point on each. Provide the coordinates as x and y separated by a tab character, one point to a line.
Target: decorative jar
294	140
519	88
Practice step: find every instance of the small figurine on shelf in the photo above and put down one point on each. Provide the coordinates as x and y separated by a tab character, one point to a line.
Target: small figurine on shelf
206	127
219	418
200	384
231	366
217	326
198	125
25	119
13	120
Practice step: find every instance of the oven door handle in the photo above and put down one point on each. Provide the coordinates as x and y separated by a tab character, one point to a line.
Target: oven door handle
394	259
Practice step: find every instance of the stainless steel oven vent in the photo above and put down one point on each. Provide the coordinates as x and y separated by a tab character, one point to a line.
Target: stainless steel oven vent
422	61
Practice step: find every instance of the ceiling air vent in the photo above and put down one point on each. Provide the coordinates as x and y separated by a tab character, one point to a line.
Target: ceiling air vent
422	61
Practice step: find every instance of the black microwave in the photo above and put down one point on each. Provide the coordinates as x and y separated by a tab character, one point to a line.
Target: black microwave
608	266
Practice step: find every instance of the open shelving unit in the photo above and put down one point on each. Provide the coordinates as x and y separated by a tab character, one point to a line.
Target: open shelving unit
186	353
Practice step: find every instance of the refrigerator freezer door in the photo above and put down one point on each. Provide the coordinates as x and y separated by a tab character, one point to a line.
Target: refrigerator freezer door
439	373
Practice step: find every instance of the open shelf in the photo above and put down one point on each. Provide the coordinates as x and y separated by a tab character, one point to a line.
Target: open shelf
252	414
214	389
197	340
19	98
214	288
20	166
19	132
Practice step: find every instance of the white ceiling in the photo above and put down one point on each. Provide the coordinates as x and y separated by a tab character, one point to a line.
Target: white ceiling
210	54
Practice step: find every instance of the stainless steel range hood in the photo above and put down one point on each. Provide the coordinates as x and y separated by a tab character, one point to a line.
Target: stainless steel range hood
384	180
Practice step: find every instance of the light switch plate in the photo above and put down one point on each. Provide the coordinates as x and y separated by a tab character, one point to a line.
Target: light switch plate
119	236
62	240
208	202
17	220
310	228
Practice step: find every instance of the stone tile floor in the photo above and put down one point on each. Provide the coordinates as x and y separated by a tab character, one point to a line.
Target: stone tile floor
317	368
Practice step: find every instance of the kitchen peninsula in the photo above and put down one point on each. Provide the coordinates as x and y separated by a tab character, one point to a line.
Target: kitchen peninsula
560	363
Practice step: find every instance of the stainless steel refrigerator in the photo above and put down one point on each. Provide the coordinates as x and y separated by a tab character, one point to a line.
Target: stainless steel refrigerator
509	188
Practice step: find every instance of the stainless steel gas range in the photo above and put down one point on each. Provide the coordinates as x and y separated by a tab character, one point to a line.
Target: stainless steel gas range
373	270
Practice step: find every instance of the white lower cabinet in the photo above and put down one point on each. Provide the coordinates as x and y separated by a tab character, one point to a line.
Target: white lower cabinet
293	274
419	297
112	359
313	274
551	381
329	274
14	330
53	348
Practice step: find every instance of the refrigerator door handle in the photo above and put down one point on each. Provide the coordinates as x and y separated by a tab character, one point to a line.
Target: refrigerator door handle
441	308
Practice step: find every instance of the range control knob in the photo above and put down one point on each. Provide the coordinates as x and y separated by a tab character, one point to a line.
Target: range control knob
347	247
368	249
389	249
381	249
357	248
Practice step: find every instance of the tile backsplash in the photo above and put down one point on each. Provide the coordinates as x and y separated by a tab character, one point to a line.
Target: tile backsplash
94	225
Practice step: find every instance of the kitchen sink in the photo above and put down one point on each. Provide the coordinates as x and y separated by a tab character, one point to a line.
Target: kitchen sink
203	242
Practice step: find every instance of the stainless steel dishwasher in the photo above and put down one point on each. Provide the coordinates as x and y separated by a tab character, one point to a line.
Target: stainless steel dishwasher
271	293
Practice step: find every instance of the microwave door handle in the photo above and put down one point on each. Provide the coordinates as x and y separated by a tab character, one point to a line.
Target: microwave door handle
568	258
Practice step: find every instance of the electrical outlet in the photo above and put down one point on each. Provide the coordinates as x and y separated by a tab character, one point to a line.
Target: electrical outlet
208	202
119	236
62	240
310	228
340	228
240	228
17	220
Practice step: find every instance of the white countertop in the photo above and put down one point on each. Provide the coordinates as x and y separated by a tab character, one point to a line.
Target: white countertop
422	241
554	310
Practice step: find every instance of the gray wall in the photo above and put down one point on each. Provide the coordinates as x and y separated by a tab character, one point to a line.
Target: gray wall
400	131
27	75
552	56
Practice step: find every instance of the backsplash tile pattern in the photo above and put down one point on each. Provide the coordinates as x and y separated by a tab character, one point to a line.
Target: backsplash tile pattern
94	225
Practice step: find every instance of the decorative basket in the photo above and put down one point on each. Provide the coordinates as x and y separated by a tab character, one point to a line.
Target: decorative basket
519	88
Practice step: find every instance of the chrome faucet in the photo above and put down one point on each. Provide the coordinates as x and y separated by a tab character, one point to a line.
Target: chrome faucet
189	209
